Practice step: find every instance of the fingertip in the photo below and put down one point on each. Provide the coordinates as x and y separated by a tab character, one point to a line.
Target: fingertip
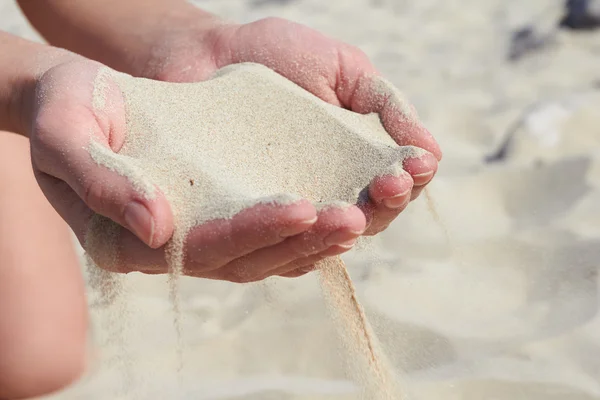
390	186
422	138
288	219
297	218
357	222
348	218
422	169
399	117
298	227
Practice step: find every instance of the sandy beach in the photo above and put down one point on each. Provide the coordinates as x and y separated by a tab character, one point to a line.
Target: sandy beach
496	299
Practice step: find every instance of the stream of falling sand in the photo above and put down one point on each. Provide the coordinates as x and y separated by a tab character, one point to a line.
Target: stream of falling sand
365	359
436	216
367	362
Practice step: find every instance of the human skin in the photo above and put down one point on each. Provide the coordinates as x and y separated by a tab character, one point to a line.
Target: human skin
169	41
43	313
175	41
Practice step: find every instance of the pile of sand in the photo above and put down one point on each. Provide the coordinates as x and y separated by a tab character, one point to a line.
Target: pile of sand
249	136
246	136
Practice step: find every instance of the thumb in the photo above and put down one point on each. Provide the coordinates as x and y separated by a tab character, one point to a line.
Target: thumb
71	141
118	189
111	185
361	89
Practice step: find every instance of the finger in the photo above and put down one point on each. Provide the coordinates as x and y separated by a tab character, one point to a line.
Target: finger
361	89
76	149
130	255
335	225
421	169
143	209
384	216
390	190
219	242
116	249
307	264
399	118
389	195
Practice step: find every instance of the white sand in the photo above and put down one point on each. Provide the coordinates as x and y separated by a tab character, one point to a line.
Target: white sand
513	316
243	137
246	136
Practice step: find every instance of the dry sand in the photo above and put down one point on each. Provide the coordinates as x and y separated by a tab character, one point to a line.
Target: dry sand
513	315
246	136
243	137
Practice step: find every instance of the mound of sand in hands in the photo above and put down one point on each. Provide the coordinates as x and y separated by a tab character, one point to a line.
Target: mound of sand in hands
243	137
246	136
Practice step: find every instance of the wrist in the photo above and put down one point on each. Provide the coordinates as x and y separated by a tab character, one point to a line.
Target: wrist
130	36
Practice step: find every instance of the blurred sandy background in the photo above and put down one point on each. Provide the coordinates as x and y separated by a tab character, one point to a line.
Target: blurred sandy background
507	310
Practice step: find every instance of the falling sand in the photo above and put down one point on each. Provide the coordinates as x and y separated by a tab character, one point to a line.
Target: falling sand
244	137
357	336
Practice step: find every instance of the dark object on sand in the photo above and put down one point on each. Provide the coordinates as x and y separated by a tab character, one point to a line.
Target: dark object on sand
524	41
580	15
503	151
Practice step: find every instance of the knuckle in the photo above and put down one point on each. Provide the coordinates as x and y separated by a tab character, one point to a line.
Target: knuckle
94	195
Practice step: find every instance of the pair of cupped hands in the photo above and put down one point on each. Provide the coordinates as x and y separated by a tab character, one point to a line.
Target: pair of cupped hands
261	241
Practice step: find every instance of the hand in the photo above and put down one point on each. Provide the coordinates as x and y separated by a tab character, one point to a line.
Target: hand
260	241
336	72
61	122
175	41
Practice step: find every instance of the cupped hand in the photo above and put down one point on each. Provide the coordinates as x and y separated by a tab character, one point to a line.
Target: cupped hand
336	72
261	241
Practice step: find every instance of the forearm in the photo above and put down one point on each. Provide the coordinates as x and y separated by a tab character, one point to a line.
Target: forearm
122	34
22	62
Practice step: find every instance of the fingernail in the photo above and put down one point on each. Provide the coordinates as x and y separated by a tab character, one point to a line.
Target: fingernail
341	237
140	221
297	228
347	244
421	179
398	200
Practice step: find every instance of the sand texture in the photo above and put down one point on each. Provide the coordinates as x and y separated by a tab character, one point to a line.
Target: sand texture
243	137
509	310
